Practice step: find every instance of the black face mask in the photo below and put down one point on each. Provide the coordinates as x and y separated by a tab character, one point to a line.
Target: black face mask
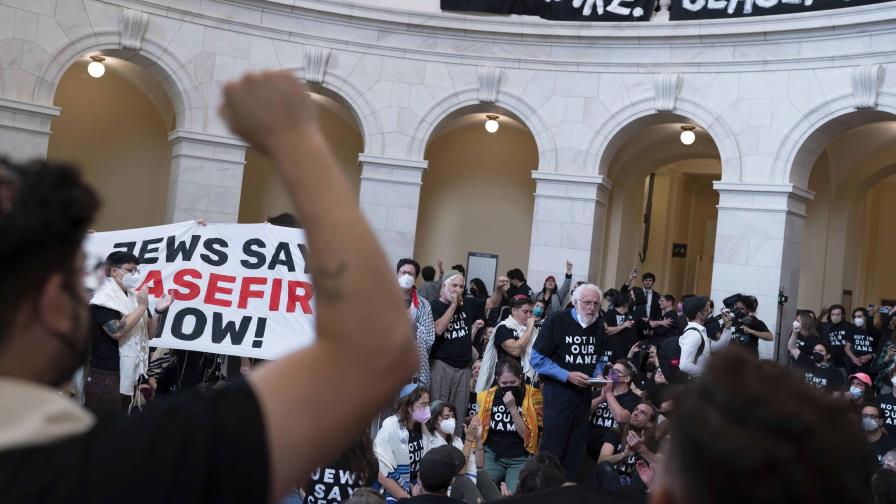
516	391
77	355
818	357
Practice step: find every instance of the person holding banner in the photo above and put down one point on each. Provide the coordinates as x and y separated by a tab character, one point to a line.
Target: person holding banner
248	441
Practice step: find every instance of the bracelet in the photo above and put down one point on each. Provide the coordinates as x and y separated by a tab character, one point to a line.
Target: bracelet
159	312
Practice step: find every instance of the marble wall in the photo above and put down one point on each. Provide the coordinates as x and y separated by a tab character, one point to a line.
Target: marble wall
759	87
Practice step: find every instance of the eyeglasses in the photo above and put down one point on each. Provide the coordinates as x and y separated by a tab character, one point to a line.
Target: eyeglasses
589	304
131	270
873	417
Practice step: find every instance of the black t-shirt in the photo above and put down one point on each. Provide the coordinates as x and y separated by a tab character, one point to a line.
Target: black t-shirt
472	405
602	418
739	336
183	448
888	410
626	466
863	343
826	378
415	450
455	347
806	344
502	436
103	349
621	342
882	446
837	336
572	347
661	332
331	485
502	334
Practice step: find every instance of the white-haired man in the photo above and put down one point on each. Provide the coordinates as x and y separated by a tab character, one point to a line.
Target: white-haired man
566	355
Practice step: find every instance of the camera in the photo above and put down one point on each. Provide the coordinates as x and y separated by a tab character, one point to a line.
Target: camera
739	317
644	346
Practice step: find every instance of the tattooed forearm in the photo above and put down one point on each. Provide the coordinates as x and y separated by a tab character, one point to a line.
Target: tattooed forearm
328	282
114	328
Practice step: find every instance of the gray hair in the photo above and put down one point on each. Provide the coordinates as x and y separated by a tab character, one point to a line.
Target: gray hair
577	294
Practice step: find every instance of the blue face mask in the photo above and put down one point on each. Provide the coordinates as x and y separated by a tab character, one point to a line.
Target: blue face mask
538	311
855	392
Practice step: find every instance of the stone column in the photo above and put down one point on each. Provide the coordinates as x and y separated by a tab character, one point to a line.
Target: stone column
569	215
758	243
206	177
25	128
390	198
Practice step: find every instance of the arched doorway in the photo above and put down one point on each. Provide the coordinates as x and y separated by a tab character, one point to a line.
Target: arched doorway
478	192
849	235
115	128
262	193
661	213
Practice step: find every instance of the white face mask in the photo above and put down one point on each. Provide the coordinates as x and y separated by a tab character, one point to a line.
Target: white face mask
447	425
870	424
796	325
859	321
130	280
406	281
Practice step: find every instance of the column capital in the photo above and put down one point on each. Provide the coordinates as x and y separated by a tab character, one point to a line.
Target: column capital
786	198
25	128
391	169
182	135
30	108
574	186
207	147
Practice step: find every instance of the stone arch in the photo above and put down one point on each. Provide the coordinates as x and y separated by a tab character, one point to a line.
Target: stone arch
642	113
524	112
365	115
189	103
803	144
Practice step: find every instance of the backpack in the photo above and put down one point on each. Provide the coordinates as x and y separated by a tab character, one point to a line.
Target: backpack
670	357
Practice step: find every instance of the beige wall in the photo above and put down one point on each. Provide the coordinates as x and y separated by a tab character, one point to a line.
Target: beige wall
684	207
684	211
477	196
263	194
846	245
119	138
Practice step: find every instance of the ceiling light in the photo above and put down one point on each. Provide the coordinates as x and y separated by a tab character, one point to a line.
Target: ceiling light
687	135
492	124
96	69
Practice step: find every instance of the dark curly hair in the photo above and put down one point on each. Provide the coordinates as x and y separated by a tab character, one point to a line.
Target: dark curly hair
45	210
750	431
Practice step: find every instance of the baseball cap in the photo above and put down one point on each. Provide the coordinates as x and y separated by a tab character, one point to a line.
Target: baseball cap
439	467
862	377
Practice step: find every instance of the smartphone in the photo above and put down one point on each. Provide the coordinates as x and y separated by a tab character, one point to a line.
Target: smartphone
884	309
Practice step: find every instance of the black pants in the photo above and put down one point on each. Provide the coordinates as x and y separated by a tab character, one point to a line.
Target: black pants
566	410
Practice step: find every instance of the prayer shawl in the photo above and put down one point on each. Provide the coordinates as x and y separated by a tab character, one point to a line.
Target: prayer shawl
490	359
133	347
32	414
391	450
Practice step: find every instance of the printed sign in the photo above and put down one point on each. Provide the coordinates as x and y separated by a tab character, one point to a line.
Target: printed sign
239	289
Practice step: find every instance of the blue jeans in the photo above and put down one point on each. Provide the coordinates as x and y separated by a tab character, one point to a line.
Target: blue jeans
504	469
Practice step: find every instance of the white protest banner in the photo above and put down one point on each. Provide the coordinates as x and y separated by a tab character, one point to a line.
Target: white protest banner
239	289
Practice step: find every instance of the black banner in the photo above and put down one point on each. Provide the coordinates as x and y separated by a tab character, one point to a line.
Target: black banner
683	10
561	10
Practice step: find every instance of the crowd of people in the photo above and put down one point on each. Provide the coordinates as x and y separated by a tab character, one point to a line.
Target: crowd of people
590	395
